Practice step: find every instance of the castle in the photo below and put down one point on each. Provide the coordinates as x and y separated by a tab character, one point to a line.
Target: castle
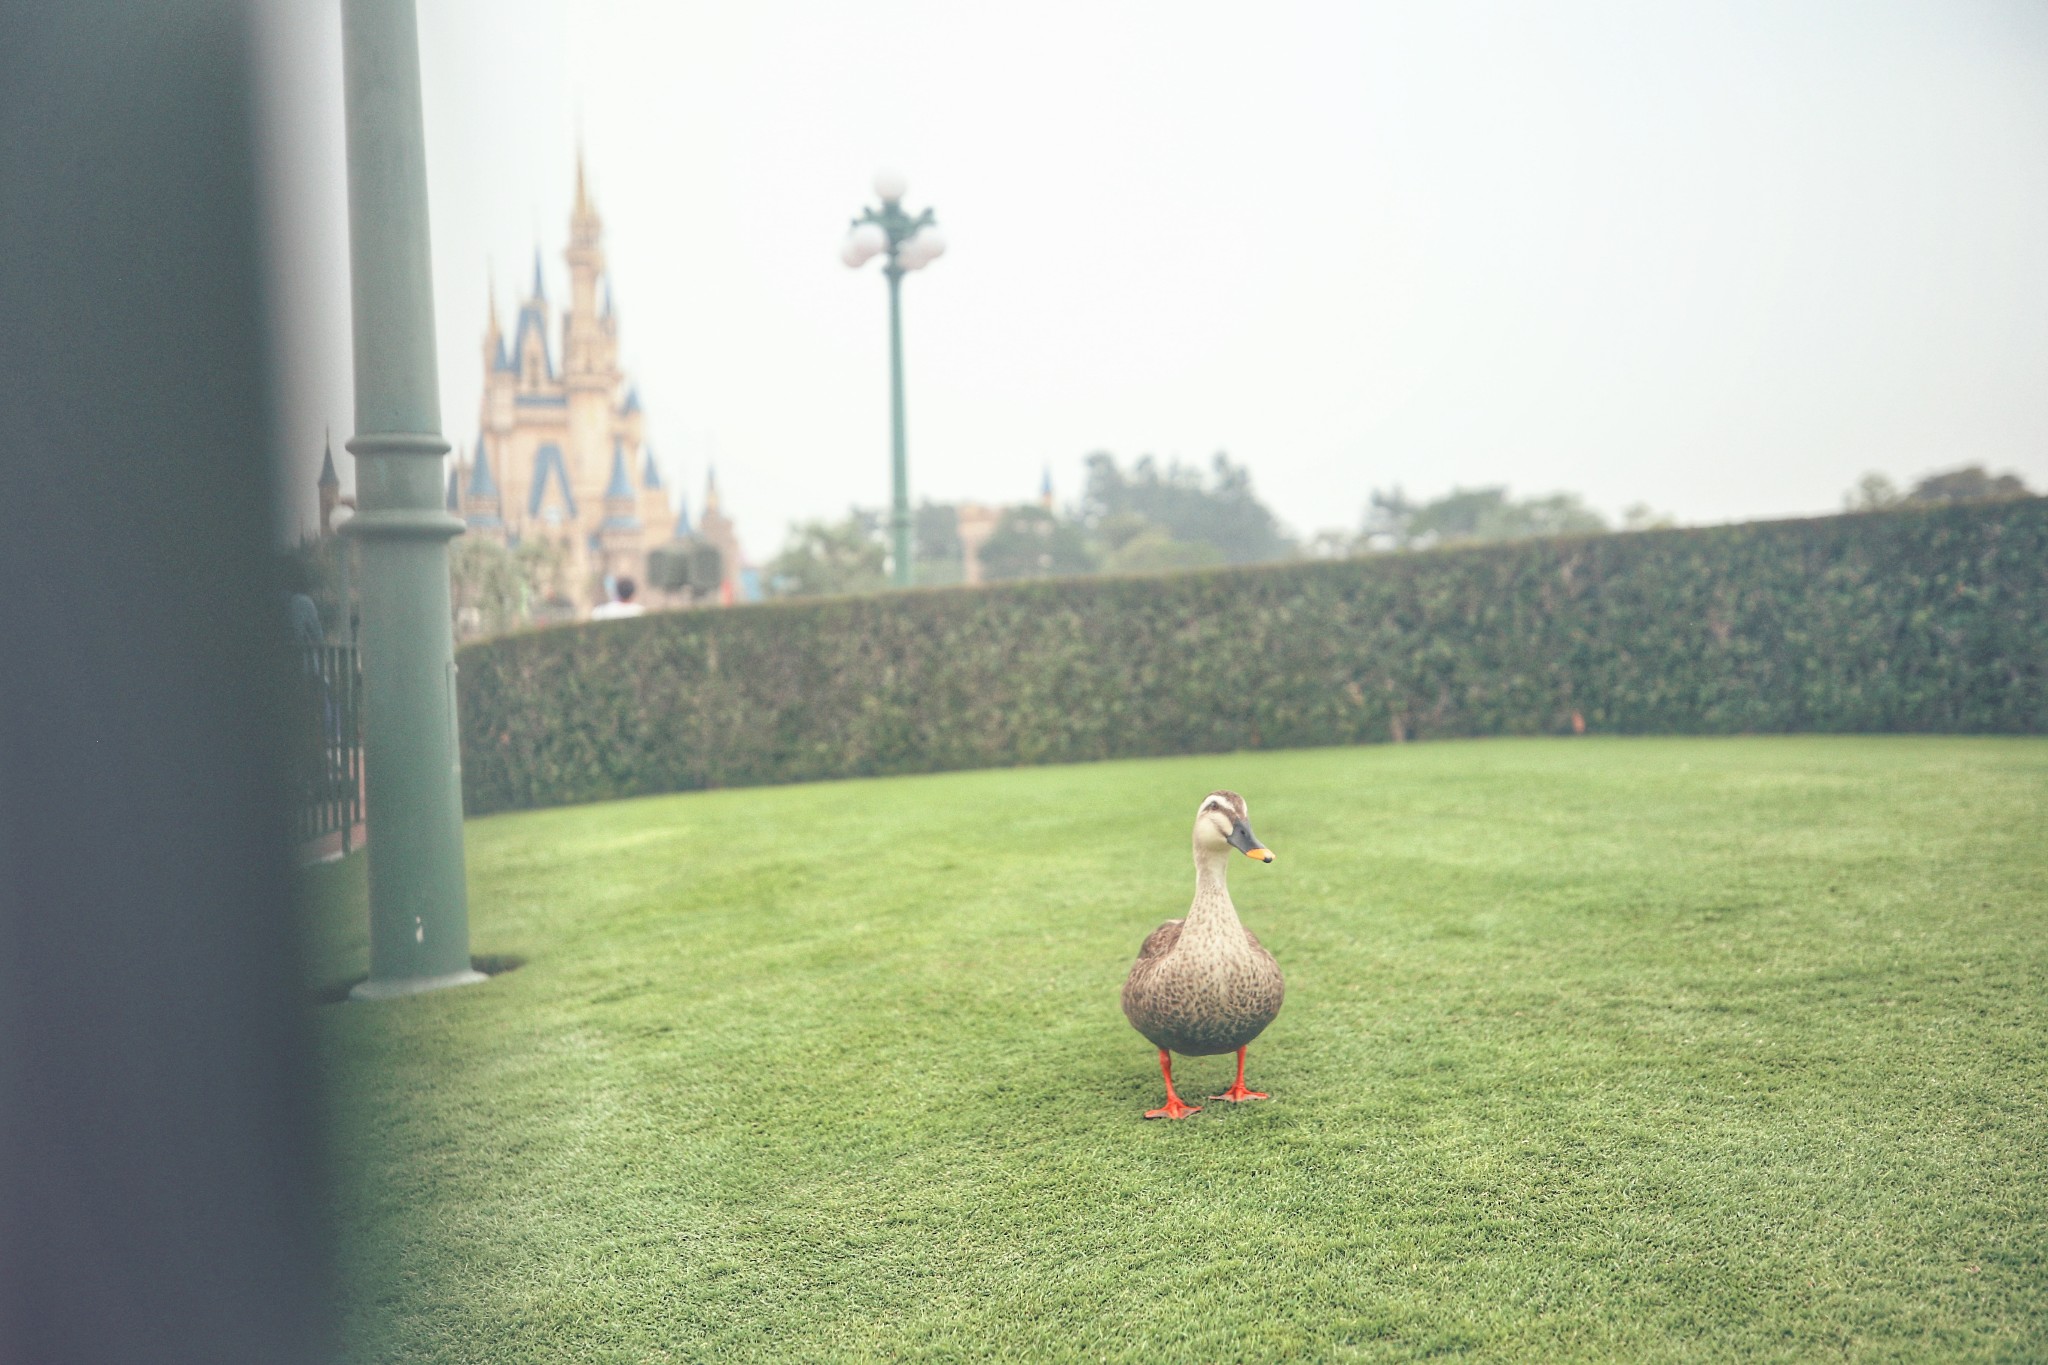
561	453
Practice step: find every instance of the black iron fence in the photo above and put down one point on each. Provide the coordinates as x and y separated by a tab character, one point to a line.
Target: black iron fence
329	744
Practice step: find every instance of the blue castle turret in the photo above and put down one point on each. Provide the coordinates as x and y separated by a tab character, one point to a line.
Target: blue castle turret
621	503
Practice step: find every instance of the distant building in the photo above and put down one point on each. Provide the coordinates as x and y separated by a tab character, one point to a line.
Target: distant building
561	452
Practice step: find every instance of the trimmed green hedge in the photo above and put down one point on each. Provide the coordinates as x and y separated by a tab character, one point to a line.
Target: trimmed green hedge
1927	620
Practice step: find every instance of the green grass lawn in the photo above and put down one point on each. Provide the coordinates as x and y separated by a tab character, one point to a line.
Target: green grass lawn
1593	1049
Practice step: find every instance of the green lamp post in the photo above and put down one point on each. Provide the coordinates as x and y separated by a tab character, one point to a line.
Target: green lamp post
419	908
910	243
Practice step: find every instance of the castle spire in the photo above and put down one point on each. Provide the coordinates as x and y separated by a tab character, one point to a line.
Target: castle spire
494	332
621	487
585	227
481	484
329	486
540	289
710	491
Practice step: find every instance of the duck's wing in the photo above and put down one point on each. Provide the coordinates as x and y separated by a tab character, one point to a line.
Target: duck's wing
1160	942
1257	947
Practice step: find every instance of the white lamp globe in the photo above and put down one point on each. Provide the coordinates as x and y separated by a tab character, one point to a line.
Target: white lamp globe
891	185
934	244
850	254
869	240
913	255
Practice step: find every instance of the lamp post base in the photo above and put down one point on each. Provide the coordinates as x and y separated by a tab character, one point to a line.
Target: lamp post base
374	989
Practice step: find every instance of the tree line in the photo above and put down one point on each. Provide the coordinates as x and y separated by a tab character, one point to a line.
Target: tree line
1139	517
1149	515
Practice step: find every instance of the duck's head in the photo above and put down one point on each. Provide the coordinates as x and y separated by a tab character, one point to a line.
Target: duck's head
1224	821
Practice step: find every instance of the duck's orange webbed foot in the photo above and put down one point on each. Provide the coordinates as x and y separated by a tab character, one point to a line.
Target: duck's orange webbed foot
1237	1094
1173	1108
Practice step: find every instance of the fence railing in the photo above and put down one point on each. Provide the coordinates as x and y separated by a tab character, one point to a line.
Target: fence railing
328	734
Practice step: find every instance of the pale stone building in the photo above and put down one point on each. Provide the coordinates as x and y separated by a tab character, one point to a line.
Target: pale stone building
561	451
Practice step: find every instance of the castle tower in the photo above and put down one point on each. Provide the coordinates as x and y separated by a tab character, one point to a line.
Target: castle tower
330	489
716	529
655	513
621	533
585	369
483	506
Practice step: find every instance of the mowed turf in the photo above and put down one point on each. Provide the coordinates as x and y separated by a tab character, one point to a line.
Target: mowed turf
1593	1049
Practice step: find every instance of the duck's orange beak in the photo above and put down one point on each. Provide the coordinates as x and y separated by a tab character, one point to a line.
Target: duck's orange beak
1244	841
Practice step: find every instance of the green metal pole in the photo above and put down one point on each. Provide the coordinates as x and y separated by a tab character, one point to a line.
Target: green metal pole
900	518
419	909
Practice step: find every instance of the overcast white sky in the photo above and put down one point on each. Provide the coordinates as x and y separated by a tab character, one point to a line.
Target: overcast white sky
1721	259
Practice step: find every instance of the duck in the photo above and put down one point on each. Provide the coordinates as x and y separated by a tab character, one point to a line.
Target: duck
1204	985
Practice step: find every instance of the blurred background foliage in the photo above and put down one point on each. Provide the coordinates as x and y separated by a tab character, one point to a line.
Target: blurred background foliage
1149	517
1143	518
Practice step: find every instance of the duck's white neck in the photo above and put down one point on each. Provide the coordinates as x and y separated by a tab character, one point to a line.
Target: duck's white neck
1212	890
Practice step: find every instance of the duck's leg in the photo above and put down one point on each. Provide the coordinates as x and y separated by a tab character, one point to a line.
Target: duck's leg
1237	1093
1173	1108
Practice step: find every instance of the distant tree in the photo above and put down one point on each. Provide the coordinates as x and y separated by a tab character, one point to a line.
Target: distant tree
1972	483
1333	545
544	570
487	593
1387	514
493	587
1153	549
1032	542
1125	542
1474	514
1640	516
821	558
1219	511
1872	493
1968	484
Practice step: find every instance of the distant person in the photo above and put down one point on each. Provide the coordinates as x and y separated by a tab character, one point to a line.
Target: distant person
302	615
307	632
621	605
308	635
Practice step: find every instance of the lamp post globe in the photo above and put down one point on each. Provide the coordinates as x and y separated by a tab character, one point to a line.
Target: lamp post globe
909	242
871	240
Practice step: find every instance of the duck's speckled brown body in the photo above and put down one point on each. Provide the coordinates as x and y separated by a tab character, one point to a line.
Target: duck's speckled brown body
1204	985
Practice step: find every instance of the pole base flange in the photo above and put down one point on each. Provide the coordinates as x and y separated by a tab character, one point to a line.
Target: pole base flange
374	989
